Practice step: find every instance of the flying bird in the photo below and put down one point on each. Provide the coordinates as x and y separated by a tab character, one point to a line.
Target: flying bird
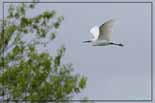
102	35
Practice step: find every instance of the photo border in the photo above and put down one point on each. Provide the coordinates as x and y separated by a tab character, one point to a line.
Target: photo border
145	100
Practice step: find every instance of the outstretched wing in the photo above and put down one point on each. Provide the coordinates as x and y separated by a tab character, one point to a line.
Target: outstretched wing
105	30
95	31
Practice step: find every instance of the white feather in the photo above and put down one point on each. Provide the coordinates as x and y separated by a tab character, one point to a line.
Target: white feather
95	31
105	30
102	34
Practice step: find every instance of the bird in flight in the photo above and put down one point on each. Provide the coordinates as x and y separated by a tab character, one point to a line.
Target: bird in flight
102	35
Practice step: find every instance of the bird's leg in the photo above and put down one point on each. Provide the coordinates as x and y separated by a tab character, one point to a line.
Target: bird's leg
116	44
88	41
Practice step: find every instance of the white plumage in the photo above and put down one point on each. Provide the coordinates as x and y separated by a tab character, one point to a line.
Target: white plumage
95	32
102	34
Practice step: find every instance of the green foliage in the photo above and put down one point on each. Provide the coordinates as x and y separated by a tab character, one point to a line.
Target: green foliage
27	74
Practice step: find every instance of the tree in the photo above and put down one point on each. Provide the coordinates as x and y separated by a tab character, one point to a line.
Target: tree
26	74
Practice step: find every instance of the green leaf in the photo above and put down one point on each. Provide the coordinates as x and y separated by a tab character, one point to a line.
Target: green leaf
48	15
53	36
29	73
31	6
82	82
57	25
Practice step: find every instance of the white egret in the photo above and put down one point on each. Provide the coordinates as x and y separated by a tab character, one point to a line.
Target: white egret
102	35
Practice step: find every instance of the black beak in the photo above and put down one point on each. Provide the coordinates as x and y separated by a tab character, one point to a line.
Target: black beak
88	41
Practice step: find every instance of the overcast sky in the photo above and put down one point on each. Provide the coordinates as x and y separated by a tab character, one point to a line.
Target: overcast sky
114	73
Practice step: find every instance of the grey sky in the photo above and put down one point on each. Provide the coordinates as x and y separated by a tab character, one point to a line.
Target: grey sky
113	72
